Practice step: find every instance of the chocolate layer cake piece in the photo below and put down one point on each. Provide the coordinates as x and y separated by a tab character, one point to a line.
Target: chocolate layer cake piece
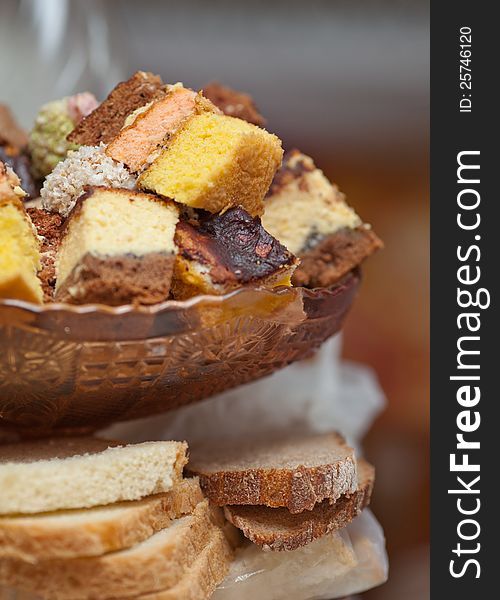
48	226
13	142
310	216
139	143
105	122
19	244
216	162
222	252
233	103
117	248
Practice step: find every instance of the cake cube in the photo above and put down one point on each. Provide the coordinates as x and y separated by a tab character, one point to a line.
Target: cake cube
233	103
216	162
220	253
105	122
117	248
137	144
310	216
19	244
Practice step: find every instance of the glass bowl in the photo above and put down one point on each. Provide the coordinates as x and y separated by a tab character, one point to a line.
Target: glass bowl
68	369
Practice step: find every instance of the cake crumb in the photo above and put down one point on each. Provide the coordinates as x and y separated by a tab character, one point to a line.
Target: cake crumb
48	226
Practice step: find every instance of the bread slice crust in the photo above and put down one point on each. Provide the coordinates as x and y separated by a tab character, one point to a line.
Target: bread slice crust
320	467
155	564
277	529
95	531
201	579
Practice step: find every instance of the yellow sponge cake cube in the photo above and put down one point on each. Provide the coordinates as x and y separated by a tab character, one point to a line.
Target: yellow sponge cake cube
17	279
216	162
19	244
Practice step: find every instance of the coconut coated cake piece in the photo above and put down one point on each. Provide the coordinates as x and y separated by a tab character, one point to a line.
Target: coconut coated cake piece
55	120
87	166
219	253
310	216
117	248
216	162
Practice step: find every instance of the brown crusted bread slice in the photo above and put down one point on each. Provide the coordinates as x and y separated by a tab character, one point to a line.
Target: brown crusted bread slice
95	531
295	473
158	563
201	579
66	473
105	122
278	529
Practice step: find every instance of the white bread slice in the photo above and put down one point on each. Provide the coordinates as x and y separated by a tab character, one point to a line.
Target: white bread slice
201	579
198	582
66	473
155	564
295	472
95	531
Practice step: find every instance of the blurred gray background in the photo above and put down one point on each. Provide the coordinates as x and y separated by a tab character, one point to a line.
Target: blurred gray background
323	72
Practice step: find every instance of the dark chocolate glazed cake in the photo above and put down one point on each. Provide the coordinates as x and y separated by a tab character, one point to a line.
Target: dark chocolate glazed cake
222	252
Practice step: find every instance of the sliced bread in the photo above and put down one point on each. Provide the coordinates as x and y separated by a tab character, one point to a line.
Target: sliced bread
206	572
295	473
95	531
158	563
66	473
278	529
